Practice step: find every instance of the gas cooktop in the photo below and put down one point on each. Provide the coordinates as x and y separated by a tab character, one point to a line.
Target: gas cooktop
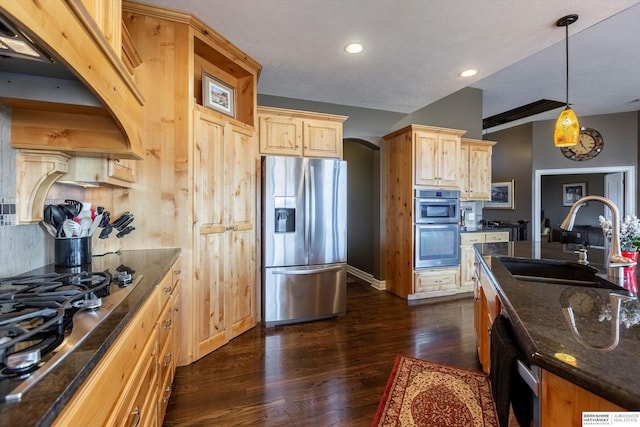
44	317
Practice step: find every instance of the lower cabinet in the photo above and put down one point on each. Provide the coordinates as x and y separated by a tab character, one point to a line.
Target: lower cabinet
467	257
435	282
567	410
132	383
487	307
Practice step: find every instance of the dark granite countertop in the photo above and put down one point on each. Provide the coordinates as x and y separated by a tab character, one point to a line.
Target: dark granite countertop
41	405
546	336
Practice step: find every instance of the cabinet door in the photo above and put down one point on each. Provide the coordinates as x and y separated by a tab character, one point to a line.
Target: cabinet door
467	259
436	159
280	135
242	163
479	180
225	165
322	138
209	233
448	160
425	158
463	173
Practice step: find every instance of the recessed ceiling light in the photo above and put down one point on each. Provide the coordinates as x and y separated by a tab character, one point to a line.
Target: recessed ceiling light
468	73
354	48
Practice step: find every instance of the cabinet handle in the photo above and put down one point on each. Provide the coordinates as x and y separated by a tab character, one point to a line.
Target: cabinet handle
229	228
138	416
167	290
167	324
167	394
176	272
176	308
167	360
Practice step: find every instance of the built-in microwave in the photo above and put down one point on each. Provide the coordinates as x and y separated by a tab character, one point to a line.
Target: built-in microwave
437	245
437	206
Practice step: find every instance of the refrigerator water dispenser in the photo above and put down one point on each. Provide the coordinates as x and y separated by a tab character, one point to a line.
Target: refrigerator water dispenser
285	220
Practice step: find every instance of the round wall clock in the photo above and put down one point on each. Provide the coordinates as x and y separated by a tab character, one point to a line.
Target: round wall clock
589	146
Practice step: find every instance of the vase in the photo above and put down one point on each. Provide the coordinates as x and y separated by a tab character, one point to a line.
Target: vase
632	256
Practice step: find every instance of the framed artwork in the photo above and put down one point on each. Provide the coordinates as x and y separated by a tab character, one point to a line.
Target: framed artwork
572	192
501	196
218	95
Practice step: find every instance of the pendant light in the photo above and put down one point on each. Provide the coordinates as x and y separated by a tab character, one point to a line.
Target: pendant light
567	130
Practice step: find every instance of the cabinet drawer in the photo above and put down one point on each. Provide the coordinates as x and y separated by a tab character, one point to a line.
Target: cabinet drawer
497	236
142	385
436	281
471	238
165	374
165	324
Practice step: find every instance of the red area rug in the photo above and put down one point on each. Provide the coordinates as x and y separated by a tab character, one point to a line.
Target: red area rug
421	393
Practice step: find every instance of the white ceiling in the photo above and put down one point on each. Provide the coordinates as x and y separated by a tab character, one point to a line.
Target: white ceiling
415	50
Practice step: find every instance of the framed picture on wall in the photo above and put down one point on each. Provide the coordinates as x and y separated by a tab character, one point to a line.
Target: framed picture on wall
572	192
501	196
218	95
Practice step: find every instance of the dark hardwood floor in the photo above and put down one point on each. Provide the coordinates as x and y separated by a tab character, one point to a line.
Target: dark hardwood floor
324	373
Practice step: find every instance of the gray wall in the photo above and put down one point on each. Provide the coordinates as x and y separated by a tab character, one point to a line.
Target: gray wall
363	206
511	160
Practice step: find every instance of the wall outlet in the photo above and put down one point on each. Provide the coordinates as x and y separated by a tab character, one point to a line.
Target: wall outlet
578	235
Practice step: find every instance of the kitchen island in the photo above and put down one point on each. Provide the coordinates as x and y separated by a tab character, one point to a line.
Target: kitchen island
590	359
42	404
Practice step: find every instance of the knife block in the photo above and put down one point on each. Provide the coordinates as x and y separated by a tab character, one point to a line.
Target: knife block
104	246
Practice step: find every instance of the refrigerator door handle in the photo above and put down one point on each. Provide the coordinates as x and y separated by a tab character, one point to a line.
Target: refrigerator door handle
309	223
309	271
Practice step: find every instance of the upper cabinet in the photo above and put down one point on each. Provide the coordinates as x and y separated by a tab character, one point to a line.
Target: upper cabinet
299	133
111	126
475	169
432	153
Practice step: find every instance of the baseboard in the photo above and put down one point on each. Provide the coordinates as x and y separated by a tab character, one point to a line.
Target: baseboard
367	277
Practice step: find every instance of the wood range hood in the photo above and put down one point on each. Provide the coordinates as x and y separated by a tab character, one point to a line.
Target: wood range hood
98	110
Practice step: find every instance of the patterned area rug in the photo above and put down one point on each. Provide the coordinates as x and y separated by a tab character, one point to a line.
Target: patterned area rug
421	393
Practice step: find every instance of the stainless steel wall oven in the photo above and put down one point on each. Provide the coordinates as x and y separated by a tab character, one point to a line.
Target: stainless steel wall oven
436	228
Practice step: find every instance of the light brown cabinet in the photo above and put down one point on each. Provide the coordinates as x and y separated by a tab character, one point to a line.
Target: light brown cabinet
435	282
286	132
117	172
416	156
198	176
127	379
467	254
487	307
225	166
437	157
475	169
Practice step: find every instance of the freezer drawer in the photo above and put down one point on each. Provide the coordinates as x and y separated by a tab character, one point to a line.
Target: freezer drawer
300	294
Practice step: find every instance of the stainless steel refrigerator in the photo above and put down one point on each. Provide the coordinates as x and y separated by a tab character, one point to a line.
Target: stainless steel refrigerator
304	247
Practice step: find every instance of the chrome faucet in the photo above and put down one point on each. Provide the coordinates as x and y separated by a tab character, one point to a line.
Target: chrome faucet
615	301
615	261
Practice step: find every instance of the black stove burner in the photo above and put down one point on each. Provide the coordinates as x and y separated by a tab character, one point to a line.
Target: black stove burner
36	313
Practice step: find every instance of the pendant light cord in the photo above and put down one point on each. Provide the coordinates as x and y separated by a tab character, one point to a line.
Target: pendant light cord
566	27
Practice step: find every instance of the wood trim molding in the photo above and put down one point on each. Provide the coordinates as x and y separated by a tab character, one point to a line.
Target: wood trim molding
36	171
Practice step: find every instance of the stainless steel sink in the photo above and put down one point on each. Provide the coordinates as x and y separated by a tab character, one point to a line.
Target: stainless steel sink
555	271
